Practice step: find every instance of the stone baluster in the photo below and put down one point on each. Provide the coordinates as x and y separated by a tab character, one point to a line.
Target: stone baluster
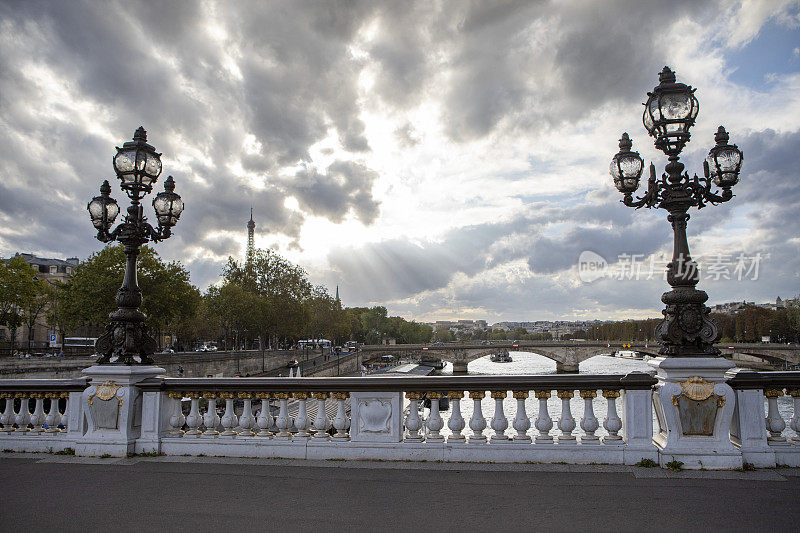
8	417
435	422
567	422
477	422
247	422
211	418
521	421
53	415
37	416
774	420
282	421
456	422
23	415
229	419
264	419
612	423
543	421
589	423
176	418
301	421
321	422
341	423
65	414
194	420
794	423
412	422
499	420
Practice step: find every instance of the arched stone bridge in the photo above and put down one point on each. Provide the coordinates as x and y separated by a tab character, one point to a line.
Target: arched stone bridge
568	355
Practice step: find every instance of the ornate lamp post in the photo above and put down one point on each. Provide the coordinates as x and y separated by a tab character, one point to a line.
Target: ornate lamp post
137	165
693	404
670	112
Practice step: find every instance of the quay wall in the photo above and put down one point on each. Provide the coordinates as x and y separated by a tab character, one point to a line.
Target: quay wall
194	365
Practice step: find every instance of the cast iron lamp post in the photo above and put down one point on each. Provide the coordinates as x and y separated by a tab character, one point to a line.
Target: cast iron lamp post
137	165
669	113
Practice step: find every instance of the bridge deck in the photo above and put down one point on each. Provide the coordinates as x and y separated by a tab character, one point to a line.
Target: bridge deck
195	493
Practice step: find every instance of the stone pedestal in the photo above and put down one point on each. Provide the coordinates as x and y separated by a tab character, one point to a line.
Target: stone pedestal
748	430
637	426
694	408
112	406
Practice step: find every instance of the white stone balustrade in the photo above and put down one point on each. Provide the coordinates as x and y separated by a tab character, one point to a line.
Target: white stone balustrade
456	422
310	417
211	418
247	422
499	420
321	422
612	423
794	422
229	419
589	422
521	421
32	420
264	419
477	423
566	423
301	421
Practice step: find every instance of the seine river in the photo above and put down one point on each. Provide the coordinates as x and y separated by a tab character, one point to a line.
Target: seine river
531	363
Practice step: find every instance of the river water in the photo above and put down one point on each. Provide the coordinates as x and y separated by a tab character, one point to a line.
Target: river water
531	363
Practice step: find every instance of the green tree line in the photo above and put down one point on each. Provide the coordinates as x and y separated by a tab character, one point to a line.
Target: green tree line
265	301
750	324
268	301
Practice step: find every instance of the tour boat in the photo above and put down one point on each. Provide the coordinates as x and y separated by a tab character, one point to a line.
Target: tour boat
502	357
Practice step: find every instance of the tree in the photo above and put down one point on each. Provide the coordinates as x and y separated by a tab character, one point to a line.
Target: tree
33	308
443	335
281	288
18	288
170	301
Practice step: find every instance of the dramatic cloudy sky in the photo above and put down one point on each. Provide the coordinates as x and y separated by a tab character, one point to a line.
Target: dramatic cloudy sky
446	159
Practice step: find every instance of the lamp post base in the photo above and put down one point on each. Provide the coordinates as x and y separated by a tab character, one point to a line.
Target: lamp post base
126	340
694	410
687	330
113	407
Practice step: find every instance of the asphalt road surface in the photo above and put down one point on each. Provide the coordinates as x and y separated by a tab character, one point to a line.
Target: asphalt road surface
57	493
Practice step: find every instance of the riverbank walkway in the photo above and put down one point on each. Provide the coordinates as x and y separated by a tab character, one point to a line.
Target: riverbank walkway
44	492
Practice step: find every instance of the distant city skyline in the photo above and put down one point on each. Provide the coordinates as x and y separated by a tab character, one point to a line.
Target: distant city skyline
444	159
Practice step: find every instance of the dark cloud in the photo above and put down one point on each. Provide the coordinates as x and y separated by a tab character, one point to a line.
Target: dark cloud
344	186
238	96
275	79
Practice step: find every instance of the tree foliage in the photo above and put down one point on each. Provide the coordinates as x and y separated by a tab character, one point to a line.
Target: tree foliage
750	324
170	301
20	293
269	298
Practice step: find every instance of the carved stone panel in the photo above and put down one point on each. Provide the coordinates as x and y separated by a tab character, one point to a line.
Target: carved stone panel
376	417
105	413
697	417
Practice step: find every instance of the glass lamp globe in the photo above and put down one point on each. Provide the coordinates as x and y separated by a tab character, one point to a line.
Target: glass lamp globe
626	167
137	164
724	161
168	205
103	209
669	113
